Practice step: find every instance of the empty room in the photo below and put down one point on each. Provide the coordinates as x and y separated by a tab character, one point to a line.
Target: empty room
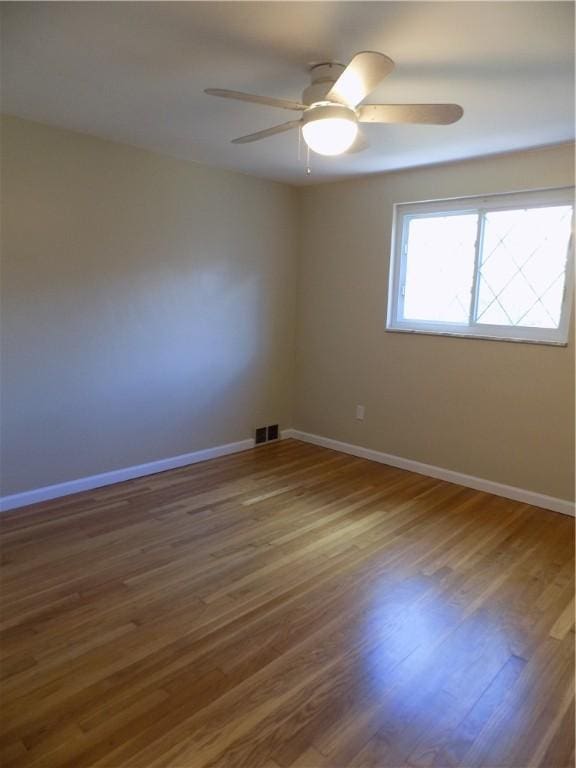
287	397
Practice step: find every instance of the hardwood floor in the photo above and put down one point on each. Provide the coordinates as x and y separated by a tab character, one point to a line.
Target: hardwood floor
287	607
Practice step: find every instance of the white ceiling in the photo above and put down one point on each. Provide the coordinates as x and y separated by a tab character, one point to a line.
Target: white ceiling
135	72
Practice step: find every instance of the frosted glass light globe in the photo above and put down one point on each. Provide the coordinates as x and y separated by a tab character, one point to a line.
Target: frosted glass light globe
330	135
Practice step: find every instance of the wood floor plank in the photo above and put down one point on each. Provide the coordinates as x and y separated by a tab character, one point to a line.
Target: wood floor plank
286	607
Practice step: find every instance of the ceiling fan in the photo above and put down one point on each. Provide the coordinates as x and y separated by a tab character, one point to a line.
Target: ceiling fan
331	106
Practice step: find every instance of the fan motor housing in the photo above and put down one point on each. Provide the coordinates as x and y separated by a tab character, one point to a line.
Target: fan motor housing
322	76
326	110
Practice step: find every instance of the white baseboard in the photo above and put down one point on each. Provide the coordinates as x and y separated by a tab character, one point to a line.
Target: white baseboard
49	492
498	489
119	475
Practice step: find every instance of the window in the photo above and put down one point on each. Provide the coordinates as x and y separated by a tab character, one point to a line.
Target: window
494	267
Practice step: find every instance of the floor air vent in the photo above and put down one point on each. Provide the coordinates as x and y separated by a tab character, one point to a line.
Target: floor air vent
266	434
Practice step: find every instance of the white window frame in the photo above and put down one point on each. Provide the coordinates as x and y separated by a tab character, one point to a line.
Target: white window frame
480	205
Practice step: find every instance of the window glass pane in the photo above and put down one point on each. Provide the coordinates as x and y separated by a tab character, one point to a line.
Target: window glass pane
522	267
439	268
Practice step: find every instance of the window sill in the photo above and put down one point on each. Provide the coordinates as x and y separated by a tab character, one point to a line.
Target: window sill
482	337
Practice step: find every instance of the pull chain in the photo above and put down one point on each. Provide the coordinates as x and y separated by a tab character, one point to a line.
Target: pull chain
308	168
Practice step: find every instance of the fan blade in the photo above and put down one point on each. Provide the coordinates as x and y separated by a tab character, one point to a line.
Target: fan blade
366	70
266	100
267	132
360	144
434	114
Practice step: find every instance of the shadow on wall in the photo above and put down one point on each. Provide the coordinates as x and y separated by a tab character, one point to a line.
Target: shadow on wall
167	367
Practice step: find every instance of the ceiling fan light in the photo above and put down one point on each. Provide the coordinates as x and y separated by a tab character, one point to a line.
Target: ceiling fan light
328	128
330	135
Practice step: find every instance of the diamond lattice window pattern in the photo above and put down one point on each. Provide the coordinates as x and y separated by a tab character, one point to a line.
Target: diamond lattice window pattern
523	265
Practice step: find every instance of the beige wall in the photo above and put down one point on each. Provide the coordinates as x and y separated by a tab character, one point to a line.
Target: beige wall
497	410
147	306
148	310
